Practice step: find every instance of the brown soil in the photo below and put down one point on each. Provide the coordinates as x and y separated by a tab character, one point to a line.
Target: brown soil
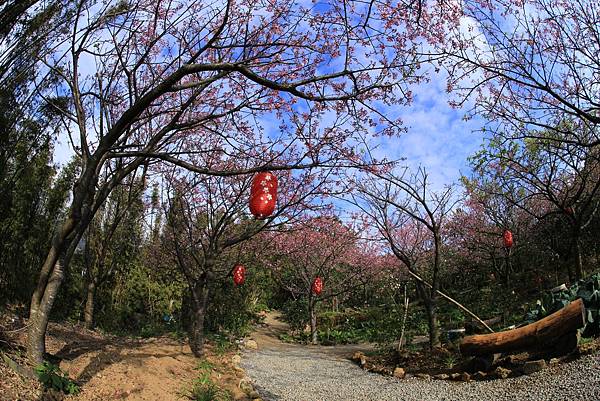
116	368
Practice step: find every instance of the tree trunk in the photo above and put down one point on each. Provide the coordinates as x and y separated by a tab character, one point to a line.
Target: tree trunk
507	269
199	302
569	270
313	319
90	305
431	305
431	310
434	329
39	315
51	277
538	335
579	273
406	303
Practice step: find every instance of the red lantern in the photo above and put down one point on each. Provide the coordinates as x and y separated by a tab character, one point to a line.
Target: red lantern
239	274
508	239
317	286
263	180
262	205
263	195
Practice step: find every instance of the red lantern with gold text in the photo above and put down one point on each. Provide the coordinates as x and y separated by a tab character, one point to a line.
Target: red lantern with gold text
508	239
263	195
239	274
317	286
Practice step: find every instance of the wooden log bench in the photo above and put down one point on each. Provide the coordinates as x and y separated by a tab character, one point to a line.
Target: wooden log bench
558	328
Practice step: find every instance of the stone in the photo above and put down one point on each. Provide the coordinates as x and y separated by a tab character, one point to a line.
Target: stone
554	362
479	375
423	376
236	359
399	373
363	361
246	385
454	376
534	366
251	344
441	376
465	377
483	362
501	373
360	358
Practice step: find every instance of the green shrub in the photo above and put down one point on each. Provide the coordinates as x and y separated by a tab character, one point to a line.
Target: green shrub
51	376
222	343
381	325
587	289
295	313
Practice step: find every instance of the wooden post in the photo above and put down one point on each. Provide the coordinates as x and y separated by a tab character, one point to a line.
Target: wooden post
542	333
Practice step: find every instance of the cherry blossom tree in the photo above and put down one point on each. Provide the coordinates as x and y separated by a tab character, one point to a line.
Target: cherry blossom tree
146	82
404	211
321	247
209	223
543	179
530	66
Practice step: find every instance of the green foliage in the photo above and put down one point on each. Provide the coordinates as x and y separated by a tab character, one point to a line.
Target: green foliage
380	325
349	336
204	389
51	376
139	299
587	289
450	361
233	309
222	343
295	313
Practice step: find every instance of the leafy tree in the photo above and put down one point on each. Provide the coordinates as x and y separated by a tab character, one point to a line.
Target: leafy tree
30	193
113	239
544	179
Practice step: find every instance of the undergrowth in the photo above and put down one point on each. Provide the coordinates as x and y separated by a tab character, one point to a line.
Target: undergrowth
51	376
204	389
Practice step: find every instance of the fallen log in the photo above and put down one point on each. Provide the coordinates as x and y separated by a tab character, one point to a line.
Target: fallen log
538	335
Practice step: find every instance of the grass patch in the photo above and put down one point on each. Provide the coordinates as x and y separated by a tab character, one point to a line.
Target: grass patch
203	388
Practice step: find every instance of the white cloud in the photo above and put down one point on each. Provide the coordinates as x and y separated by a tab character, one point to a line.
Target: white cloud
438	137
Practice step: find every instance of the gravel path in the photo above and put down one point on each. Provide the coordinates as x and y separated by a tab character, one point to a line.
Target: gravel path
285	372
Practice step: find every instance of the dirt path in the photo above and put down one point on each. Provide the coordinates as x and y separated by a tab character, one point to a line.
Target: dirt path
267	337
124	369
